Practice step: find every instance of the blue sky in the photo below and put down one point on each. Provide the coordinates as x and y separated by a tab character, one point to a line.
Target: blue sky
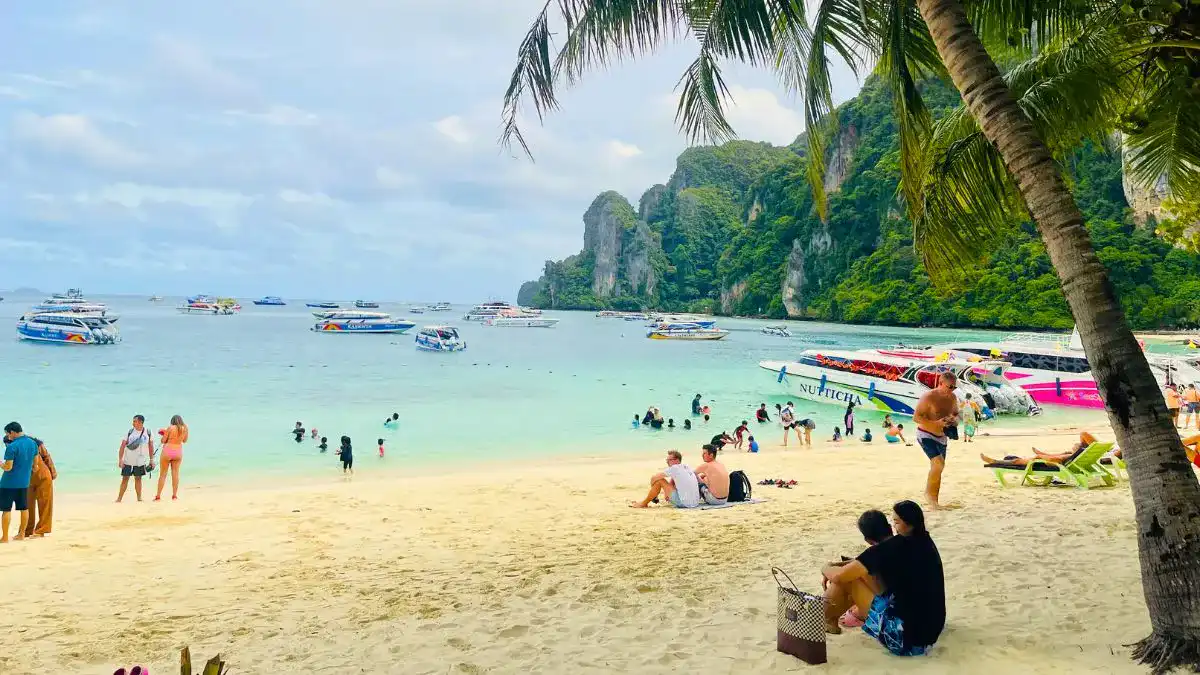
312	148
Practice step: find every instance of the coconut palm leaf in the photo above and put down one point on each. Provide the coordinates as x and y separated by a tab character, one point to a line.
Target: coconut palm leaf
1165	143
968	201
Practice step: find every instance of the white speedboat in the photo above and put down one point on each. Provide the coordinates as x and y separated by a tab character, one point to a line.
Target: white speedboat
686	331
892	384
440	307
416	309
777	331
664	321
204	304
521	322
439	339
345	314
361	322
70	302
71	328
488	310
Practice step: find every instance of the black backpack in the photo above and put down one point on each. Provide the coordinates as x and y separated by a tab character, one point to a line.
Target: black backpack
739	487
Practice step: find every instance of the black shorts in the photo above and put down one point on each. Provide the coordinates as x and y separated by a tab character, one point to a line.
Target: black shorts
932	448
135	471
347	462
14	497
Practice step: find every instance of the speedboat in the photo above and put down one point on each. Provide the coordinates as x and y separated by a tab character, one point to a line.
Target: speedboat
343	314
270	300
440	307
686	331
72	328
893	384
440	339
156	298
488	310
204	304
366	304
662	321
416	309
362	322
520	322
777	331
322	305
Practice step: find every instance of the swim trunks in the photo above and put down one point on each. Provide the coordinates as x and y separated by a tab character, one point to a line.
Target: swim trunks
931	445
883	625
14	497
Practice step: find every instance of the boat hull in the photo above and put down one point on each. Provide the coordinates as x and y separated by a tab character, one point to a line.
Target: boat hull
63	336
357	326
814	384
427	345
696	336
522	323
322	305
212	311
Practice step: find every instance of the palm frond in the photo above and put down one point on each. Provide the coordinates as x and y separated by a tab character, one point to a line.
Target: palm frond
533	75
1029	25
968	201
838	25
702	92
1165	144
601	32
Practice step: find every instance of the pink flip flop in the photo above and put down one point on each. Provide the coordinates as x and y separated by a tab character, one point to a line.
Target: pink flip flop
139	670
848	620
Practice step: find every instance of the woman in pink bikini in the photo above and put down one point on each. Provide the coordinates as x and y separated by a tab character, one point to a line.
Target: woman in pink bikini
173	439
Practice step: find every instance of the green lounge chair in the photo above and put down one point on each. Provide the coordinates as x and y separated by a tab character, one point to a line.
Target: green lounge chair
1115	466
1079	469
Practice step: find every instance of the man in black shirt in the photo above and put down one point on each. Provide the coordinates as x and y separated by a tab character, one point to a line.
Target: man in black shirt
900	580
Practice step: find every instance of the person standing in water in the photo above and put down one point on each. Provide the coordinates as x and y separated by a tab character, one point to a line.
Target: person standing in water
381	448
298	432
392	422
936	412
848	419
696	406
346	454
174	436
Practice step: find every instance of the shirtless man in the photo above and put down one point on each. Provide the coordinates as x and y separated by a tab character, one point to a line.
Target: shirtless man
936	410
714	478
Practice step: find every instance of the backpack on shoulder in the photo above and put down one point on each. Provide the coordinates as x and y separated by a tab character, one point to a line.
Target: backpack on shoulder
739	487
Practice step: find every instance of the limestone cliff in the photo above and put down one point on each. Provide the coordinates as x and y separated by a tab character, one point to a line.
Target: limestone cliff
529	290
604	226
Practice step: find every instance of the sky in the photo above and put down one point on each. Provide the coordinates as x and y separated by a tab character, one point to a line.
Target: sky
312	148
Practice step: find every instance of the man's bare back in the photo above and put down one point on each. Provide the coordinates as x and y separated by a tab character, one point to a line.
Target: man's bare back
716	477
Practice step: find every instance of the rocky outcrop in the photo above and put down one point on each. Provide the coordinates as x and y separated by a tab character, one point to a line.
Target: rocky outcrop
837	169
792	290
528	290
604	226
650	200
640	279
731	296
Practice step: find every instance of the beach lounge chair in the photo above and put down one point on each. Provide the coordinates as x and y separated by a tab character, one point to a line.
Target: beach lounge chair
1080	469
1114	465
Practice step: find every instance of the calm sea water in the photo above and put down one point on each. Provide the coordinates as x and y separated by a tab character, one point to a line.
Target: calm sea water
242	382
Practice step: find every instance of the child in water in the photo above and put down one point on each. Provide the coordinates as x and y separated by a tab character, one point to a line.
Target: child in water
636	422
392	422
753	445
706	419
381	447
671	424
324	444
687	425
299	431
346	453
866	437
837	435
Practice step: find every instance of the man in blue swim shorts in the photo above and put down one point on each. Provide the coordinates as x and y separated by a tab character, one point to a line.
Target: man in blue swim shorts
936	413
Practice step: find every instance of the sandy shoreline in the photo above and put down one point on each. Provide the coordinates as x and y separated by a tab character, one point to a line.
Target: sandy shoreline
542	568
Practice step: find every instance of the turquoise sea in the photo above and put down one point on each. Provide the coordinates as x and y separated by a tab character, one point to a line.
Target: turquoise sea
242	382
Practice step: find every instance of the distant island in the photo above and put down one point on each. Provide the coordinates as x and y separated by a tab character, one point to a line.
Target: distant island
733	232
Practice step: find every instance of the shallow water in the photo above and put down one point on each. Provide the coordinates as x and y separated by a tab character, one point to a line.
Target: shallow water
241	382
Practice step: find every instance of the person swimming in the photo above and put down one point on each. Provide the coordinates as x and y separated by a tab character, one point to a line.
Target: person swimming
636	422
687	425
324	444
315	435
671	423
299	432
392	422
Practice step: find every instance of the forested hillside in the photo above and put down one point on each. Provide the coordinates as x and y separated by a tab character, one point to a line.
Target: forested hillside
734	232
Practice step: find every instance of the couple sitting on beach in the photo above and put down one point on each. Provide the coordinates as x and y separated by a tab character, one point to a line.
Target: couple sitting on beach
895	590
684	488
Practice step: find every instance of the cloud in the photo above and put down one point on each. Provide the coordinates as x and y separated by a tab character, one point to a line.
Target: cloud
758	114
278	115
74	136
453	128
619	150
391	179
188	68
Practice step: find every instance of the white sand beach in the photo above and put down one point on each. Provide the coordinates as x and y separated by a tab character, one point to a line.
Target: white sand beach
544	569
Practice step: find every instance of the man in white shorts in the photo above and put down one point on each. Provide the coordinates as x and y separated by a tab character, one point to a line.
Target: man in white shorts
677	483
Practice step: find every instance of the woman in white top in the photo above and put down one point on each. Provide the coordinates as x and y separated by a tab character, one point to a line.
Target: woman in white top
136	457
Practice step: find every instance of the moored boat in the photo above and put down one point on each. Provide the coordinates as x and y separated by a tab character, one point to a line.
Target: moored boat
204	304
271	301
156	298
521	322
416	309
777	331
322	305
439	339
893	384
73	328
440	307
686	331
488	310
361	322
366	304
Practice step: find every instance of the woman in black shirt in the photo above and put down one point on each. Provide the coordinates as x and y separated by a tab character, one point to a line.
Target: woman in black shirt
900	580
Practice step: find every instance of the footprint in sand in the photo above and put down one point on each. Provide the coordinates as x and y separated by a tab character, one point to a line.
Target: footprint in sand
514	631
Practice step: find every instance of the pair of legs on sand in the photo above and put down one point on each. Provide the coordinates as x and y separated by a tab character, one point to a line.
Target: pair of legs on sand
659	485
167	463
859	593
6	520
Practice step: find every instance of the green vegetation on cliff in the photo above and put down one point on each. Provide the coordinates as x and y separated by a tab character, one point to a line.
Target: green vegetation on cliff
734	232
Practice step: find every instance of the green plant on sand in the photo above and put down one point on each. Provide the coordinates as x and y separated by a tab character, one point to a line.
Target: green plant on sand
214	666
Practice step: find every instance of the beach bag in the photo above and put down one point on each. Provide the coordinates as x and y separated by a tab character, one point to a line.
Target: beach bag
739	487
800	622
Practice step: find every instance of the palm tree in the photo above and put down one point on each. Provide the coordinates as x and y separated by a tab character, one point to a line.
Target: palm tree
905	40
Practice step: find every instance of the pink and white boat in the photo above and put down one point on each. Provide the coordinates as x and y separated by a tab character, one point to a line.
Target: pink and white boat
1052	369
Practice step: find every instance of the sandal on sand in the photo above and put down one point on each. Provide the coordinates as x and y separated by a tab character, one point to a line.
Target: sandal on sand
139	670
848	620
120	671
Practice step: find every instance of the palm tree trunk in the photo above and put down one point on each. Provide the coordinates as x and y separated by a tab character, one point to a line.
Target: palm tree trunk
1166	494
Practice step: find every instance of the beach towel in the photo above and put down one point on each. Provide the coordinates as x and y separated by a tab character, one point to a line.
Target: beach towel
726	505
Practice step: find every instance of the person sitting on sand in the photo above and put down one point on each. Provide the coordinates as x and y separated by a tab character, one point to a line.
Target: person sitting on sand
874	526
837	435
760	415
1085	439
900	580
753	445
1191	446
678	484
866	437
895	434
714	478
